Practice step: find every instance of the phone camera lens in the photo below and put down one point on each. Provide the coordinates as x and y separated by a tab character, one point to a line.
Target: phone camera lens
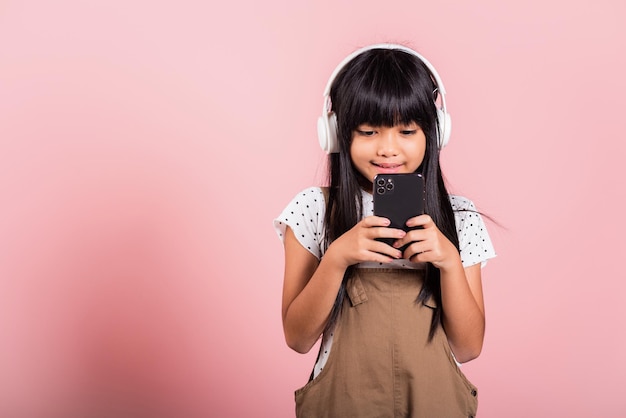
380	190
381	182
389	186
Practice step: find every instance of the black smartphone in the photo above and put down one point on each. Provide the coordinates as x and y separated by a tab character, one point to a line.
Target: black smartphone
398	197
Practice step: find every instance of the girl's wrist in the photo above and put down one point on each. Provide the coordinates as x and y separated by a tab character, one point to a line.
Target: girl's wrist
454	266
334	260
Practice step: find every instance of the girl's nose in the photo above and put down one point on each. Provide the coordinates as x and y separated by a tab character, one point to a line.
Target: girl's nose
388	145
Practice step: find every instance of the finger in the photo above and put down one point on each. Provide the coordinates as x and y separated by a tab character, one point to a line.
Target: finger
421	250
424	221
409	237
378	251
393	233
382	249
373	221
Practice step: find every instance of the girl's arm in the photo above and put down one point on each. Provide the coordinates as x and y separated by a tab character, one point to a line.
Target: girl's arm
463	311
309	291
311	286
461	288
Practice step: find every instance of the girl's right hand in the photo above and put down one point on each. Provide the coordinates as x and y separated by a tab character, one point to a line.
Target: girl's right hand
359	244
311	285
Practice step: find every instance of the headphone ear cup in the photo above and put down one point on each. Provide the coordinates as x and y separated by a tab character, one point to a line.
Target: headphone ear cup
327	133
322	133
445	127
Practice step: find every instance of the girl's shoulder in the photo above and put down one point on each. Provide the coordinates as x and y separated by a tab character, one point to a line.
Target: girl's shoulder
311	195
461	203
308	201
304	214
474	242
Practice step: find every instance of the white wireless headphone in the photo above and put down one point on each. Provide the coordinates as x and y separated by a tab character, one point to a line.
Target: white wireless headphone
327	123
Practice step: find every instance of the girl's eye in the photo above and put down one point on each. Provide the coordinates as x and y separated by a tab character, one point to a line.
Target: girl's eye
365	133
409	132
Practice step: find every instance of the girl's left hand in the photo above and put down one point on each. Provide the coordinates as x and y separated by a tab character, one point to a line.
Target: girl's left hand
428	244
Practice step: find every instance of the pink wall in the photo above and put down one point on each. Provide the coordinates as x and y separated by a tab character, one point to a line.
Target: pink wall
145	148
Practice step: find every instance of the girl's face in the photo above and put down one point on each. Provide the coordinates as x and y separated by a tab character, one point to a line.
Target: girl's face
381	149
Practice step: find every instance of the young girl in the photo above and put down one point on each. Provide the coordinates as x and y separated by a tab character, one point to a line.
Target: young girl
394	324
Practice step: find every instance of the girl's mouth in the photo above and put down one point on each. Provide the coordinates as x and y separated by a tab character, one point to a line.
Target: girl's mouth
387	167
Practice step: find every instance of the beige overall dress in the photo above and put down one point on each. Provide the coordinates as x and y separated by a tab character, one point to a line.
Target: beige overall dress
381	363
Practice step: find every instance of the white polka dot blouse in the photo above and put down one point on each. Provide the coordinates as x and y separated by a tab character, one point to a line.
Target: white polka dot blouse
305	216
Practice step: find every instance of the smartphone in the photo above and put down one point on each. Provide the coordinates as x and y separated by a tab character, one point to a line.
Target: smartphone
398	197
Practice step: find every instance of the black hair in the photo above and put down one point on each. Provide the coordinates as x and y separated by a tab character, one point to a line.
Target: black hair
385	87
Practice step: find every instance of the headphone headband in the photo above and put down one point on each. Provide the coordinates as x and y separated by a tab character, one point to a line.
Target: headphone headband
327	123
353	55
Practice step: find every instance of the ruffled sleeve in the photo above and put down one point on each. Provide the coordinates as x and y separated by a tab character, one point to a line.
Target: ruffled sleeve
305	216
474	241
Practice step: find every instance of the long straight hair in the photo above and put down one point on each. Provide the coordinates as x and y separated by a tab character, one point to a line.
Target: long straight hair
383	87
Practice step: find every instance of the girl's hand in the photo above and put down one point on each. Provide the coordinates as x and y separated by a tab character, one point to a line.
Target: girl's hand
428	244
359	244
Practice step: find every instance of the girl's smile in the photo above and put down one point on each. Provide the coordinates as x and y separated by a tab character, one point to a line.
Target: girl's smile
386	168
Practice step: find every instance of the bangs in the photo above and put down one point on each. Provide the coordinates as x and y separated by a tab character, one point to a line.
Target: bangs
373	107
386	94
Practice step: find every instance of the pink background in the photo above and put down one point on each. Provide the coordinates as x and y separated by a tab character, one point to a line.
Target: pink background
145	148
